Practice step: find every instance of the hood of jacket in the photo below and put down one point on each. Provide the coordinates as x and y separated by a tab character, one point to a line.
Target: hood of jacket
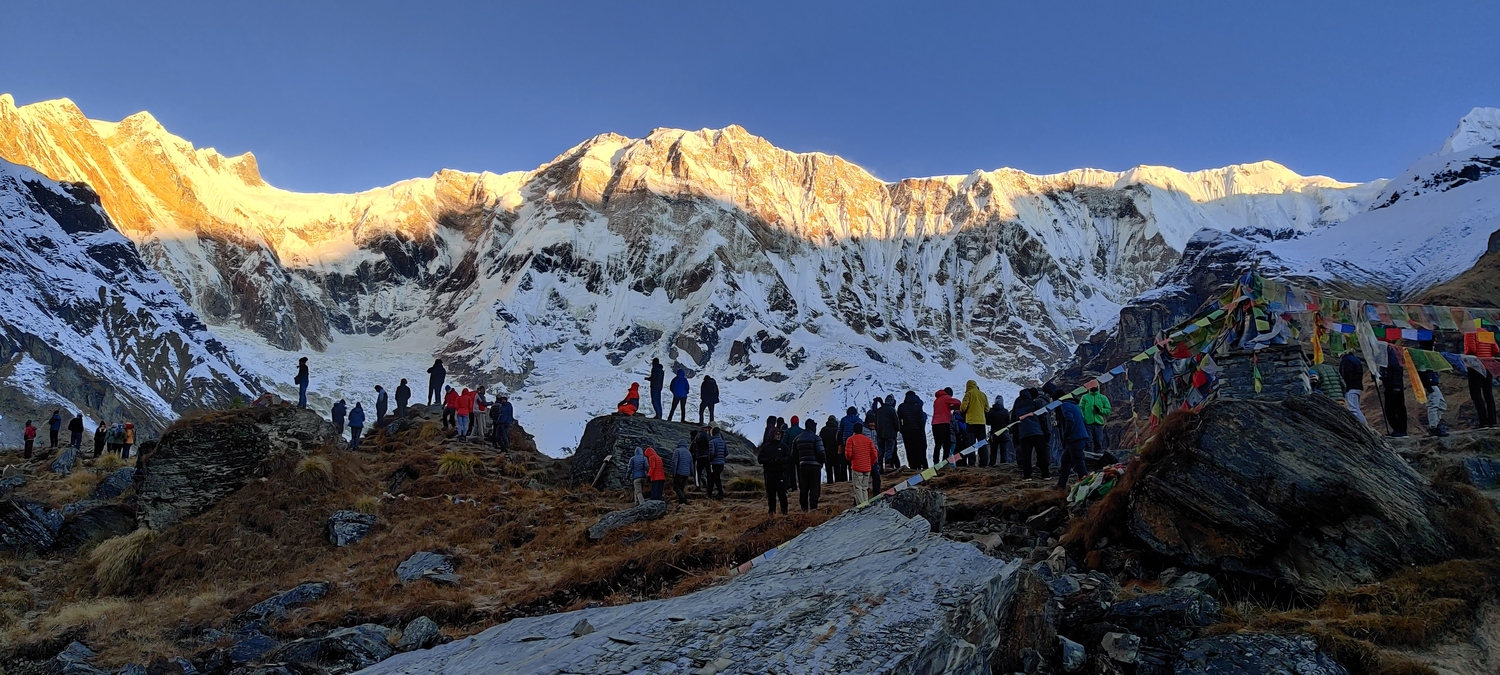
639	452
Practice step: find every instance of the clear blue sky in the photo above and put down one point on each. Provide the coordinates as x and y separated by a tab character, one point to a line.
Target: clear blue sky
348	96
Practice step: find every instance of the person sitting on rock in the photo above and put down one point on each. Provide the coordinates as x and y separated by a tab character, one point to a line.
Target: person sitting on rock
656	472
640	470
356	425
632	401
679	395
862	460
403	395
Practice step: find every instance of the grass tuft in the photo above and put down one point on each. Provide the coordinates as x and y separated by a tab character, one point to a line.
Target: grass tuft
746	484
117	560
459	464
314	470
367	504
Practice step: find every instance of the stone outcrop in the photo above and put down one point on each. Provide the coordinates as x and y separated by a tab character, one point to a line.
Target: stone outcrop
651	510
27	526
96	523
115	484
347	527
613	439
421	633
277	605
870	591
1254	654
427	565
930	505
344	650
195	465
1296	492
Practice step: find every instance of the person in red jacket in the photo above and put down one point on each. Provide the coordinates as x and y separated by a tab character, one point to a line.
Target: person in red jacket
1481	385
632	401
464	407
861	453
656	472
30	437
450	407
943	407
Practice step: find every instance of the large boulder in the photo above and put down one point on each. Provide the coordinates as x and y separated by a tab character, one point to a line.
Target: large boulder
342	650
198	463
653	509
613	439
277	605
97	523
115	484
27	526
870	591
1294	492
1256	654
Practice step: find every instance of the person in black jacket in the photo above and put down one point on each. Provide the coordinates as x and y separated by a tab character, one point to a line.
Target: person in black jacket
338	415
1352	372
913	430
995	418
1031	435
656	378
1393	380
887	428
54	426
809	454
832	448
381	402
436	376
100	435
403	394
774	461
701	456
708	397
75	432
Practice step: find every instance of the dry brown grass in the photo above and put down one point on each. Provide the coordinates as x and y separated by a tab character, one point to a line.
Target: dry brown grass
459	464
109	462
314	470
117	560
1107	517
746	484
367	504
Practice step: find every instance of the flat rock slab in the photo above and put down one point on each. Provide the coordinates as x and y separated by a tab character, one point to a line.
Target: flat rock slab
426	564
653	509
348	527
870	591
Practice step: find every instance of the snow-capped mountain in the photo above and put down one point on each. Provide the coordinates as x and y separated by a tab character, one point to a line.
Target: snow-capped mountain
800	281
86	326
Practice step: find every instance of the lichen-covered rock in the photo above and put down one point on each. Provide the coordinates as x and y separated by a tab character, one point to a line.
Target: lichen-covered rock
115	484
1295	492
426	564
421	633
343	650
27	526
346	527
929	505
870	591
651	510
97	523
1256	654
614	438
195	465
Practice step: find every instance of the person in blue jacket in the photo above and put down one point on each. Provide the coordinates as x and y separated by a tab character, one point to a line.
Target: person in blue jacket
339	409
356	425
1075	437
639	470
505	416
682	470
718	454
679	395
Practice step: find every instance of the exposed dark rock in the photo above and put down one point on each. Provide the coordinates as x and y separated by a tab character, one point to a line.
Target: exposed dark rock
1029	625
75	659
1198	580
1484	472
928	504
651	510
1121	647
1167	612
846	596
250	647
1073	655
173	666
344	650
1048	520
613	438
1295	492
421	633
27	526
1256	654
66	460
98	523
9	484
116	484
347	527
196	465
277	605
426	564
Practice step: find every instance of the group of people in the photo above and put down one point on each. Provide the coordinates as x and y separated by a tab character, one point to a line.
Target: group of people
115	438
708	395
468	412
1347	381
700	458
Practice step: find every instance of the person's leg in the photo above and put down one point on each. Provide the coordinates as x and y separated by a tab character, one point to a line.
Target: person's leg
1489	399
781	494
701	407
1395	409
1043	456
770	491
354	434
1435	407
875	478
1351	400
302	395
52	438
940	438
716	479
828	469
711	412
659	490
816	491
861	488
1023	458
30	444
656	401
679	485
637	484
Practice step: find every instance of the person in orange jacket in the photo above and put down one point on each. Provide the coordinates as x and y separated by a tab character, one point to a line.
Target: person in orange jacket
632	401
656	472
450	408
861	453
463	408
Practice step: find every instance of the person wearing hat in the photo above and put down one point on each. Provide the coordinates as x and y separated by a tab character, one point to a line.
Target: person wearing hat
943	407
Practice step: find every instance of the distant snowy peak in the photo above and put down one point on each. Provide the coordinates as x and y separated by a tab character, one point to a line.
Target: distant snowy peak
1480	127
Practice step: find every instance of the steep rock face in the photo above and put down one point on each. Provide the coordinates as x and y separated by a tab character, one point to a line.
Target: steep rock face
85	325
613	439
867	592
1296	492
196	465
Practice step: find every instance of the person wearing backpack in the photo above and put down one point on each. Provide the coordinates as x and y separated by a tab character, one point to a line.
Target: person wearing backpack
810	455
718	454
682	468
773	461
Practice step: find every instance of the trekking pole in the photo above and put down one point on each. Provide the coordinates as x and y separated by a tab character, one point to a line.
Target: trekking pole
607	461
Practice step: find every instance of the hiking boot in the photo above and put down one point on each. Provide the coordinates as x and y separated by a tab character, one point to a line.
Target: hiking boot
1438	432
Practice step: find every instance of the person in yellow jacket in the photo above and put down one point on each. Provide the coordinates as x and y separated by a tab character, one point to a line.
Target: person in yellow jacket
1096	410
975	405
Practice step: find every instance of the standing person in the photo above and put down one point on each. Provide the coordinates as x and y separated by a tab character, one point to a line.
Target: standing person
974	407
450	408
832	446
338	415
301	381
702	457
887	428
356	425
504	419
1075	437
54	425
28	436
788	436
75	431
656	472
128	441
1436	404
718	454
943	405
114	439
461	412
1096	410
640	471
851	424
480	417
1032	435
708	397
913	430
679	395
861	453
1326	381
629	405
773	458
381	403
809	455
100	436
1393	379
1352	376
436	376
658	375
996	419
1481	385
403	395
682	469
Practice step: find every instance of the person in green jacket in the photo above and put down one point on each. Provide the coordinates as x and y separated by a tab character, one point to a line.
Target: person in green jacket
1325	379
1096	409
